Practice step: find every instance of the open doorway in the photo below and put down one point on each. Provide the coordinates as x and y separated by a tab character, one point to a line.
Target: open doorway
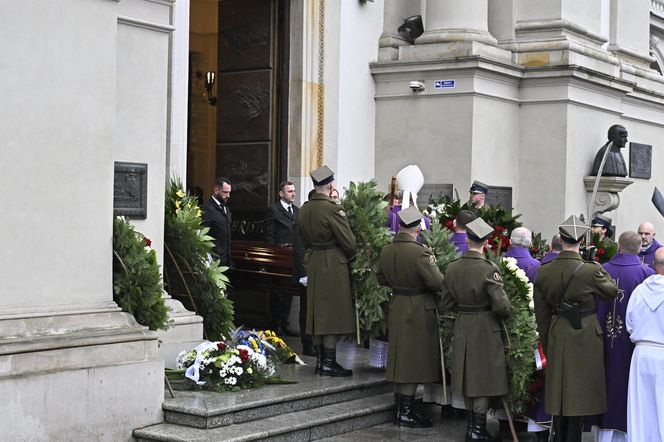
243	134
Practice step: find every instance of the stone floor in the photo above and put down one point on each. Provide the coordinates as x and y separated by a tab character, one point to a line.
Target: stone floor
444	429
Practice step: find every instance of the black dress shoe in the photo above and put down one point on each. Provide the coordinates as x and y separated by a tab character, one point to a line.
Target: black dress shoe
408	416
329	365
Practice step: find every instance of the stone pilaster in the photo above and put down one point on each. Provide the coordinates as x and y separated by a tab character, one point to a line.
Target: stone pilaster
393	14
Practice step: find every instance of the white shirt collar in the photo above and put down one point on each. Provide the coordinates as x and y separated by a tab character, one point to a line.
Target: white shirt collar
284	204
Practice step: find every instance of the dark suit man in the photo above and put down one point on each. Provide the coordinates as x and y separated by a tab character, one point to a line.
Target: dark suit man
280	220
217	216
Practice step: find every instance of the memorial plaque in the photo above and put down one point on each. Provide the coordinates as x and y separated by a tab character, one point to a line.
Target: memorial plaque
500	196
433	191
130	190
640	160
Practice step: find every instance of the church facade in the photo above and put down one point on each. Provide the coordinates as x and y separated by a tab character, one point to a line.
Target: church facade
516	93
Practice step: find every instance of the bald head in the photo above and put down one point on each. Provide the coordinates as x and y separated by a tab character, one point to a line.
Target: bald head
521	237
647	233
659	261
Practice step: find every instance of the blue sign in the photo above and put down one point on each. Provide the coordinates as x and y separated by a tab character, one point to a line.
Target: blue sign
444	84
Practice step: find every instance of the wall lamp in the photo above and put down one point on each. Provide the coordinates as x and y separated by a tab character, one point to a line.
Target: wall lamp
209	84
412	27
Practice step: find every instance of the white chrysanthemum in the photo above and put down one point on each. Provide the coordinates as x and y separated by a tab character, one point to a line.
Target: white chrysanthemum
230	381
521	275
432	215
181	359
260	360
238	371
510	263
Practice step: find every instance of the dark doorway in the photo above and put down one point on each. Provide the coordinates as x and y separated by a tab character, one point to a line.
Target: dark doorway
252	80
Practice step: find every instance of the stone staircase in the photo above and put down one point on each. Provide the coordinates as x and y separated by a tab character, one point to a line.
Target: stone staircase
314	408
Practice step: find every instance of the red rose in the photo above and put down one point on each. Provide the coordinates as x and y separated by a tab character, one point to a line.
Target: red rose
450	224
244	355
535	249
148	243
221	346
600	251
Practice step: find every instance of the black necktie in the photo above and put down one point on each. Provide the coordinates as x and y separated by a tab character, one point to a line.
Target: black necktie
290	211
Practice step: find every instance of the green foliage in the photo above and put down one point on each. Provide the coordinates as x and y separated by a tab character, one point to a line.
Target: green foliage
188	266
539	247
519	334
438	238
137	285
606	248
367	216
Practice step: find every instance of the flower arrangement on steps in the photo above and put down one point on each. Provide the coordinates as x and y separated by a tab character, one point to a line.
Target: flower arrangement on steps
189	270
248	359
137	287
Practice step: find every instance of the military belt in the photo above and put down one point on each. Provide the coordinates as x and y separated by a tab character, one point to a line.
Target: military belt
474	308
411	292
324	247
581	314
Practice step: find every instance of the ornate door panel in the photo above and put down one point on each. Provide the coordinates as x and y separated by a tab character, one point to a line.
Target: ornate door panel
247	107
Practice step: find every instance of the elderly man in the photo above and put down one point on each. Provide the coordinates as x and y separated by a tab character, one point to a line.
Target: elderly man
626	269
645	324
565	294
649	244
478	191
520	242
556	248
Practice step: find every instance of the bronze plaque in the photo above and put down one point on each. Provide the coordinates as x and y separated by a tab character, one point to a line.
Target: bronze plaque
433	191
640	160
248	166
500	196
243	107
245	34
130	190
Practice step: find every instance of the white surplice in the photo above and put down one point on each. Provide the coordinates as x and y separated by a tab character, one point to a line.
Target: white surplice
645	397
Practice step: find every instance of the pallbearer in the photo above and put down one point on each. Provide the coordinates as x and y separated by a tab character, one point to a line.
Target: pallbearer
323	227
410	269
473	287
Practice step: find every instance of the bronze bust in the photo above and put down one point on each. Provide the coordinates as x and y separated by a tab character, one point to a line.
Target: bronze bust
615	163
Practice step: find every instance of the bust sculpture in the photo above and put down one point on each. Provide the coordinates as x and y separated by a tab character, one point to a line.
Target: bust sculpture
615	163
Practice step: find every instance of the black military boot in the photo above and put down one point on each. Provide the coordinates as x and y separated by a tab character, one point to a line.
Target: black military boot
574	430
469	423
397	403
329	366
319	357
407	415
478	430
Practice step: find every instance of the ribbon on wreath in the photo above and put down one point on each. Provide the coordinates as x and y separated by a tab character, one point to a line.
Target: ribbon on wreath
540	357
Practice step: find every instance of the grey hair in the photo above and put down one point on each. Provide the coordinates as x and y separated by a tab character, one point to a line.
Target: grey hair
521	237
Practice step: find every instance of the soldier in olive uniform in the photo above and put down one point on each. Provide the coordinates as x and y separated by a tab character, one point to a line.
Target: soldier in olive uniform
473	288
410	269
323	227
565	293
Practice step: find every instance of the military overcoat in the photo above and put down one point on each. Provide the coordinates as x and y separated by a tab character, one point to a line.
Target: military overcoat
479	367
575	358
414	349
323	226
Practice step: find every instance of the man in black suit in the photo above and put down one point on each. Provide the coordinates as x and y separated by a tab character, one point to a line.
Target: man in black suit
280	219
217	216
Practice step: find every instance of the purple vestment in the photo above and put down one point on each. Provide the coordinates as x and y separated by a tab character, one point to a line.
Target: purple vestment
459	241
525	262
393	219
628	272
648	256
550	256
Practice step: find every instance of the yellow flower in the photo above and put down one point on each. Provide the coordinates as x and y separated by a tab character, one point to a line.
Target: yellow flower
198	213
180	193
178	204
249	370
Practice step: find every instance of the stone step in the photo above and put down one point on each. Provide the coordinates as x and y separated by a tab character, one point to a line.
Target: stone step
308	424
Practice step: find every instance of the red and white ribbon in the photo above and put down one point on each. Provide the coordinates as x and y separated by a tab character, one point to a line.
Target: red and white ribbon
540	357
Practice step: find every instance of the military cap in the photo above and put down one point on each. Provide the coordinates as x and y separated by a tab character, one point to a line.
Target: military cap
572	229
409	217
478	230
479	187
601	220
322	175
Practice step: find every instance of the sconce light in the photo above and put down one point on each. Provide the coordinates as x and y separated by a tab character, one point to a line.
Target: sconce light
412	27
209	84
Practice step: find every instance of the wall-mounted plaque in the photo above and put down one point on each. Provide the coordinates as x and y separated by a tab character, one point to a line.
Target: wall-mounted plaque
433	191
640	160
130	190
500	196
